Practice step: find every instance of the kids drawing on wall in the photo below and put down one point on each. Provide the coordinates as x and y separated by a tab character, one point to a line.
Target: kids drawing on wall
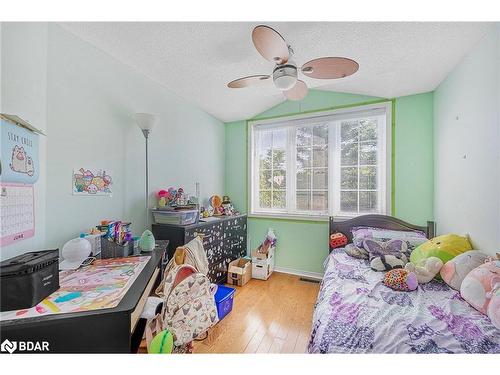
88	182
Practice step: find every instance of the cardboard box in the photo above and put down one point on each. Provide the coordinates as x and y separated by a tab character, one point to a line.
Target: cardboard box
239	272
262	264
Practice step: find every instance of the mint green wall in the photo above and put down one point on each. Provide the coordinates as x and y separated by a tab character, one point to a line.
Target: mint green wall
414	158
303	245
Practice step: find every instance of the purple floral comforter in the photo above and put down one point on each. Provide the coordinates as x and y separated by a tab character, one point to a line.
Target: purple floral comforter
356	313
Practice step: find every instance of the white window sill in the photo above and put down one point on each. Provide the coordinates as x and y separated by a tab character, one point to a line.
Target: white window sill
285	216
301	217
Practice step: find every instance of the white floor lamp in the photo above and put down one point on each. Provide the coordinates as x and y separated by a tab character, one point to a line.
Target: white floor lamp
146	122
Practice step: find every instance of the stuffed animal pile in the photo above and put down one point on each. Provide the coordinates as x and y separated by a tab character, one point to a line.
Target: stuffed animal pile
449	257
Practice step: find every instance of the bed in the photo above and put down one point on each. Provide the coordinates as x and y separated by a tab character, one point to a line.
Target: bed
356	313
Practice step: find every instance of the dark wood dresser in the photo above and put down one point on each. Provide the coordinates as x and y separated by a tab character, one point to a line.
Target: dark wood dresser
224	240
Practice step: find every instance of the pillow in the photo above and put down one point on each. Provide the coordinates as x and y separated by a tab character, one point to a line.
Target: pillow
479	286
337	240
454	271
356	252
444	247
401	279
412	238
494	308
386	256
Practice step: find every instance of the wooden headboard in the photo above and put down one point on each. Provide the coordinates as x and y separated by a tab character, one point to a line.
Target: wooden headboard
378	221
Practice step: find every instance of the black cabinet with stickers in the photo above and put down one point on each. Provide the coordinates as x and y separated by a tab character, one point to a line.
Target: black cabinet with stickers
224	240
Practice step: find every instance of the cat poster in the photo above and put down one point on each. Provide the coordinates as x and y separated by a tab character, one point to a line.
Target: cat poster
92	182
19	152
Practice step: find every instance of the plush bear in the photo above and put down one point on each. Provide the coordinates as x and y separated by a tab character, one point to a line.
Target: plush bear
426	270
401	279
455	270
444	247
480	284
385	256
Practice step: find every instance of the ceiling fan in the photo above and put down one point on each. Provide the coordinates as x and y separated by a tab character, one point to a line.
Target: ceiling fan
273	47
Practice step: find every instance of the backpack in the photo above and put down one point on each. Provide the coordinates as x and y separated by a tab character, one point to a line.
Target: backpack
189	307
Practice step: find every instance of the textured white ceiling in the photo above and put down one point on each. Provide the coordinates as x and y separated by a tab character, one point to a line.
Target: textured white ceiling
197	60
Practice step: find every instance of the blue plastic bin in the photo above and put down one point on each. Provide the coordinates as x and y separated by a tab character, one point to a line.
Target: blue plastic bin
224	300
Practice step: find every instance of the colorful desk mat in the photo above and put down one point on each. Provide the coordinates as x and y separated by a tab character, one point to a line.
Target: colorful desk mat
101	285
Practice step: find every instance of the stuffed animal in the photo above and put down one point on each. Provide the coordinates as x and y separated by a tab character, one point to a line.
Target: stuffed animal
147	241
444	247
385	256
356	252
455	270
387	263
494	308
480	284
337	240
401	279
425	270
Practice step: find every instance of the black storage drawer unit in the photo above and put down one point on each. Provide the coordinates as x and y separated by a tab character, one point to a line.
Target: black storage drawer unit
28	278
224	240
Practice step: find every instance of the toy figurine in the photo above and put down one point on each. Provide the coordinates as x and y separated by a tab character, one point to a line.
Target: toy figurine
216	203
227	207
204	212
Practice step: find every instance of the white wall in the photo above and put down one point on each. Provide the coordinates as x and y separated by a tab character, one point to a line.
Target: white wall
24	93
88	106
91	100
467	146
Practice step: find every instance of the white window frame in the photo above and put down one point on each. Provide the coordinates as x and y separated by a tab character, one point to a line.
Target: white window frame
384	174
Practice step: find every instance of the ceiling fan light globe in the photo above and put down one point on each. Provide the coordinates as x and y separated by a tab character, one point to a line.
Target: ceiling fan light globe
285	77
285	82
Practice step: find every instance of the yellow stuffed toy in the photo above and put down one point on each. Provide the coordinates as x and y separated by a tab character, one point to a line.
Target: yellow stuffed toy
444	247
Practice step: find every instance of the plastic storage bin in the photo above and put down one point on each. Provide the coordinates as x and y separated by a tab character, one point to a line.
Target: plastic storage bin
180	217
224	300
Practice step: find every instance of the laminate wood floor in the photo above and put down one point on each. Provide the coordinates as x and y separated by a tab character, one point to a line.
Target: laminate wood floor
272	316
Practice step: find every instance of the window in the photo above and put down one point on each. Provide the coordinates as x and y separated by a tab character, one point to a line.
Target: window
331	163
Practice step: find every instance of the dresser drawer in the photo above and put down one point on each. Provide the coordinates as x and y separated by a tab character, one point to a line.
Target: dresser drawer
217	272
215	251
212	232
235	226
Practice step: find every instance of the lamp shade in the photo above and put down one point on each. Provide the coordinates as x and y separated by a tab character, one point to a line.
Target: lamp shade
145	121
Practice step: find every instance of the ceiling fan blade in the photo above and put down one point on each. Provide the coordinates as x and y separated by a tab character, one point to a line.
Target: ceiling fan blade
330	67
270	44
248	81
297	92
